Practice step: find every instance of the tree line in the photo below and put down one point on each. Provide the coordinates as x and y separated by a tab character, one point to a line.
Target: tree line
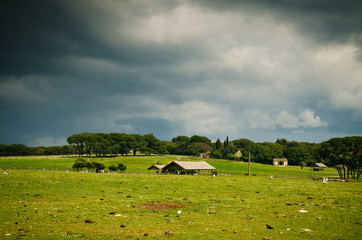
344	153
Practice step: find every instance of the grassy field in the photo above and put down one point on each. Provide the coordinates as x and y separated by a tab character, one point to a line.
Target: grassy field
139	164
74	205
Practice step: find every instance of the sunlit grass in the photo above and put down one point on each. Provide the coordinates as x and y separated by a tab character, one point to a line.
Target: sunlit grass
57	205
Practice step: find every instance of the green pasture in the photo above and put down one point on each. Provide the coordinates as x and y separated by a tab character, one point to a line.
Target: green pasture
139	164
79	205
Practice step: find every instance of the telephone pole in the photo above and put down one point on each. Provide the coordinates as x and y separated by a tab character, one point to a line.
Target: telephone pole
249	164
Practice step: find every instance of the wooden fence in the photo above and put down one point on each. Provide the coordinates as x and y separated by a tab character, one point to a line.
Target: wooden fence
311	176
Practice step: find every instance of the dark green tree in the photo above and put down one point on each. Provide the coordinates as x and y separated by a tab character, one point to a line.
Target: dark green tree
182	144
281	141
200	139
344	154
218	145
196	148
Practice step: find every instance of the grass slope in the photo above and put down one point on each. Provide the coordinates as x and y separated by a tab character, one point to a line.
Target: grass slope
72	205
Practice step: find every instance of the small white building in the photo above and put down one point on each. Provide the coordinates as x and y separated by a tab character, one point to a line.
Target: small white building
281	162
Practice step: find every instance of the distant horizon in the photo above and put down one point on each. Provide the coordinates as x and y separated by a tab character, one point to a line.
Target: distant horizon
212	140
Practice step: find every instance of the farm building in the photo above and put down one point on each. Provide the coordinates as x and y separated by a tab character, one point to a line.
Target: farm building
187	167
205	155
238	154
156	167
282	162
318	167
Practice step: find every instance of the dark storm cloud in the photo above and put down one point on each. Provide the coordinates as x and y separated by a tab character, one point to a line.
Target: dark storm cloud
178	67
325	20
40	33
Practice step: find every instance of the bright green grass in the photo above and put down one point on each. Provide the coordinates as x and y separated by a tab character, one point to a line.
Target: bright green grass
139	164
55	205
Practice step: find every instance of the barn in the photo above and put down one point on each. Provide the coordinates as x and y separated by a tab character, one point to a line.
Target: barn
156	167
187	167
318	167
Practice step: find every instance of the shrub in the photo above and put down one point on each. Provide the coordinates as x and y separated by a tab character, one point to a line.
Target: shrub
113	168
79	164
122	167
91	165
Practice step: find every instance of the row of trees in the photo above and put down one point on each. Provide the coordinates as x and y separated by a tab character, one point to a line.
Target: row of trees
23	150
344	153
102	144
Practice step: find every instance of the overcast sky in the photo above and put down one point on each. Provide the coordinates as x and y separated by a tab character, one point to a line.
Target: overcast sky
245	69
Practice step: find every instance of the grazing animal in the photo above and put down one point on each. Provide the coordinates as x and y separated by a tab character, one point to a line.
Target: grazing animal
100	167
271	176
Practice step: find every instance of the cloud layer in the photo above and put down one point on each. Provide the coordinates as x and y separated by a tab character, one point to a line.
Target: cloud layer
260	70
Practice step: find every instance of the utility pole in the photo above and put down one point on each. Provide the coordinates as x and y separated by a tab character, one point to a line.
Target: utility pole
249	164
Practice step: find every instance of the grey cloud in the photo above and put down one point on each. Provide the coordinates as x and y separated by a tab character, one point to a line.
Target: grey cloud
177	68
327	20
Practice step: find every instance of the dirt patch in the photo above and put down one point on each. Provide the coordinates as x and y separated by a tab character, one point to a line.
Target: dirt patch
161	205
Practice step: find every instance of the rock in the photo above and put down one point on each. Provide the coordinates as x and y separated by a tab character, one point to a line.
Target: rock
249	217
89	221
269	227
169	233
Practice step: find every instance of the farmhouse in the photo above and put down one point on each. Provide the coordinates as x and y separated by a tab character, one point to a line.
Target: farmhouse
318	167
282	162
181	166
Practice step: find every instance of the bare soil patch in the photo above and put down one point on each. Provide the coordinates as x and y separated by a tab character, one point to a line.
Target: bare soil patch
161	205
